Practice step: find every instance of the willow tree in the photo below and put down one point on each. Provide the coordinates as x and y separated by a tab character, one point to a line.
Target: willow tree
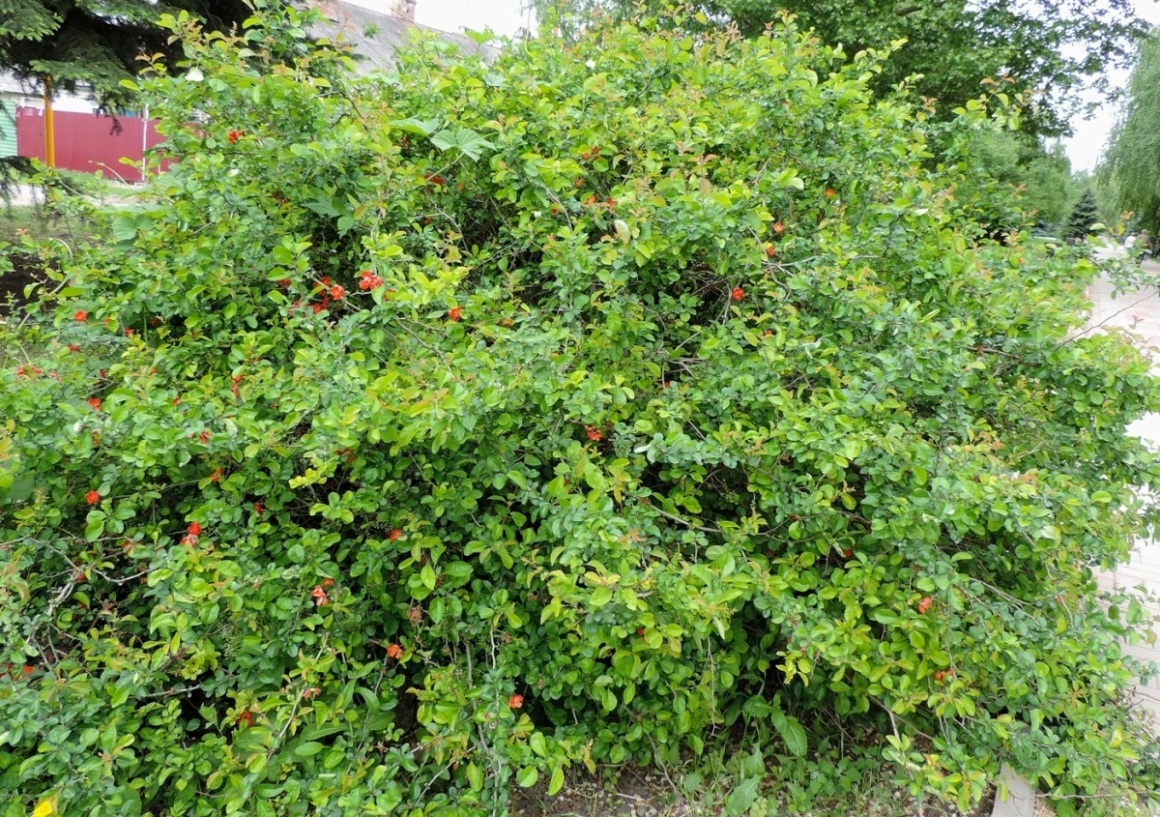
1132	163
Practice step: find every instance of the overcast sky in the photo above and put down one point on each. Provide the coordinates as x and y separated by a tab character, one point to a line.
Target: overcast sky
1085	147
505	17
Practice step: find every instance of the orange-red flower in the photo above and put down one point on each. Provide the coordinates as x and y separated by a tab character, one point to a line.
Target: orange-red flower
516	701
454	313
925	603
394	651
593	433
245	717
194	529
319	595
92	497
368	280
337	292
395	534
80	315
74	347
95	402
233	136
737	294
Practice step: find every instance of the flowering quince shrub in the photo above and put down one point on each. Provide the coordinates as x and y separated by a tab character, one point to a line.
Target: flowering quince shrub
432	434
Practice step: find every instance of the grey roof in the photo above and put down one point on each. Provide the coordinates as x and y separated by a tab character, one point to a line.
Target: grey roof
377	37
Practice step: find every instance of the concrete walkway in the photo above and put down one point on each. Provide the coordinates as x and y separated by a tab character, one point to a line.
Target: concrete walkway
1138	312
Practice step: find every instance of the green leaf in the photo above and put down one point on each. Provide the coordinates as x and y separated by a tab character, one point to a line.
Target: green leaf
557	781
307	749
743	796
474	777
793	733
461	139
419	127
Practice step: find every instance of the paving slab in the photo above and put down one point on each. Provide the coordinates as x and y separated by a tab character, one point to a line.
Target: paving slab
1020	799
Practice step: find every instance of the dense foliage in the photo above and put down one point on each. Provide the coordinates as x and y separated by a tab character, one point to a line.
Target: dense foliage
1011	180
1047	51
429	434
1132	163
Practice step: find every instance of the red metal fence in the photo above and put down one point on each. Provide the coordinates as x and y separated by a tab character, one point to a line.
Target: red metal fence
88	142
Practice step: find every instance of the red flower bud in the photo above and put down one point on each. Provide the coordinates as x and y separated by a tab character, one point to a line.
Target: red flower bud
453	313
80	315
92	497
